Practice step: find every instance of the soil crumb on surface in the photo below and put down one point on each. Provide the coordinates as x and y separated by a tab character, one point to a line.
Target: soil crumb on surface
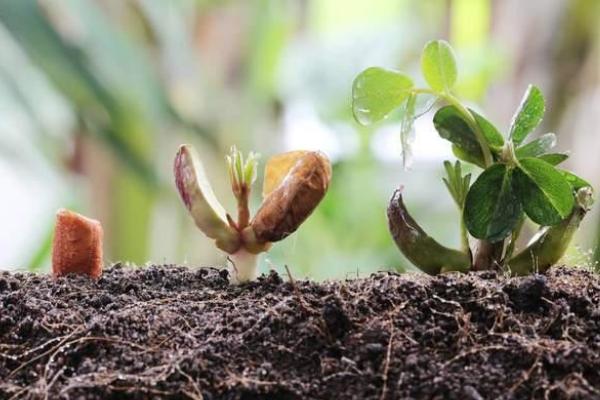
176	333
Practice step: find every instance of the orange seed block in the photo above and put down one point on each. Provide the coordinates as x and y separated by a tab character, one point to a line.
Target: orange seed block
77	246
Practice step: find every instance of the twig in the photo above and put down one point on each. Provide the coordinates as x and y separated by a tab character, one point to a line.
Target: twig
451	302
292	280
53	381
197	395
18	394
23	365
526	375
472	351
386	367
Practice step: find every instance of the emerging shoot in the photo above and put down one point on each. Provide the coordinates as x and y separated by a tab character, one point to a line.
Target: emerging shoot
294	184
519	179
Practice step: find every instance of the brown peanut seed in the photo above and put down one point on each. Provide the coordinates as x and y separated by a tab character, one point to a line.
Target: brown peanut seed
77	245
299	192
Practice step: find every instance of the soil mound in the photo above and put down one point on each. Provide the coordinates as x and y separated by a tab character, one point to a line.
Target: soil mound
172	332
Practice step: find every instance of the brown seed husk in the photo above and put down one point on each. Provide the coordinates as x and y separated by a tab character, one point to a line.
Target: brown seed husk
278	167
299	192
77	245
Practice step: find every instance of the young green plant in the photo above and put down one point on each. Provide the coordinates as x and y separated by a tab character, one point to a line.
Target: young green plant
519	180
294	184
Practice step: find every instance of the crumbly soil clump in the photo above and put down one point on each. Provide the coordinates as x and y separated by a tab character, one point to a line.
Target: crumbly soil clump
172	332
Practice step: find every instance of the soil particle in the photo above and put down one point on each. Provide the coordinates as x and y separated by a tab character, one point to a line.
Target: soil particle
528	294
172	332
336	320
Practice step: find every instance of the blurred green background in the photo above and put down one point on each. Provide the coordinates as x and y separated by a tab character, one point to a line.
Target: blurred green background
96	96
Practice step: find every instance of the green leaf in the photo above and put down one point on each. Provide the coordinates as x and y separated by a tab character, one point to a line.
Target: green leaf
554	158
528	115
438	65
546	196
451	126
456	183
467	157
537	147
376	92
406	129
251	168
492	209
575	181
490	132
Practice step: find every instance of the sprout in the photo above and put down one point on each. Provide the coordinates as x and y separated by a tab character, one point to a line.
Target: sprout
520	178
294	184
77	245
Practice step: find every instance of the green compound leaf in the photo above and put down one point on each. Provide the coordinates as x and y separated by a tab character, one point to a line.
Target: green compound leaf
537	147
467	157
575	181
554	158
438	65
492	209
545	194
528	115
376	92
490	132
451	126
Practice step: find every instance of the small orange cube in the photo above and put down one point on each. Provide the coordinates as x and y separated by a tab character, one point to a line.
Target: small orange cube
77	246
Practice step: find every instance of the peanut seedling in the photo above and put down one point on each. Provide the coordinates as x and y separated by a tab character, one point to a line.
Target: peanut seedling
519	180
294	184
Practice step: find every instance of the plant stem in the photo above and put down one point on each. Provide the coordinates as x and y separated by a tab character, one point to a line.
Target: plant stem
243	210
464	238
487	255
244	266
513	240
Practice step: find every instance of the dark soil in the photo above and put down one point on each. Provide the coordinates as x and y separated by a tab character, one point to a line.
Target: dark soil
170	332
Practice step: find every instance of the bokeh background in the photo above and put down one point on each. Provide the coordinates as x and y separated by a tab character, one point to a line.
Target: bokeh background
96	96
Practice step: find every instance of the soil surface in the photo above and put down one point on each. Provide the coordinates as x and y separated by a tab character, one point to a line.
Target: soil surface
172	332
